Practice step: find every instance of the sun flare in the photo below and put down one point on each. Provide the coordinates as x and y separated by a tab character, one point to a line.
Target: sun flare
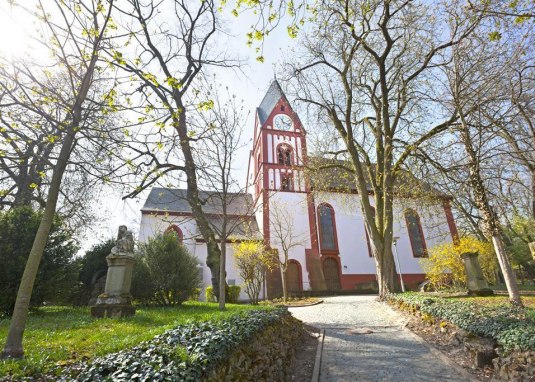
14	40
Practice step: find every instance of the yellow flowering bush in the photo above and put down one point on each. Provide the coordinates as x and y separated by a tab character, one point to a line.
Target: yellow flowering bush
444	267
252	261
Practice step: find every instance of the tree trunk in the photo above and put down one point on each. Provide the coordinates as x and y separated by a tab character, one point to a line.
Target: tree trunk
284	284
222	273
13	347
507	269
213	251
386	273
490	220
533	194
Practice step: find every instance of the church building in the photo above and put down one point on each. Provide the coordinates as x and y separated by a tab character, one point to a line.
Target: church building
330	248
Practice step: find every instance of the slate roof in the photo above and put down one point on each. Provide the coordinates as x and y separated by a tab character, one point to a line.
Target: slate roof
339	179
273	95
174	200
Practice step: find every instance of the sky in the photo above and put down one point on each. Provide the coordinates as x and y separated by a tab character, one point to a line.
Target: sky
250	84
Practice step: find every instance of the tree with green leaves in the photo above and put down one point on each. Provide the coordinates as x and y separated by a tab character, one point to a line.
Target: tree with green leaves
366	72
167	64
75	33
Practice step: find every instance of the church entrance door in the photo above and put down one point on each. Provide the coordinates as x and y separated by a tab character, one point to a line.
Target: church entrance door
292	277
330	272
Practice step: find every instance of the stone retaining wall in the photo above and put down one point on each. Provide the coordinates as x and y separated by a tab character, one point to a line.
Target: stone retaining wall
266	358
516	366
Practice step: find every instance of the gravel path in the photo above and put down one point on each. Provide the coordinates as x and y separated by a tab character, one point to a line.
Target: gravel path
365	341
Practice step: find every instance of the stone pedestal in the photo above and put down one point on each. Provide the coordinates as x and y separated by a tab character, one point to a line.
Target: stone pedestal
116	301
532	249
477	285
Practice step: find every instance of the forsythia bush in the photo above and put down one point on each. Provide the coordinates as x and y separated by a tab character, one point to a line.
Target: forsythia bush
252	261
444	267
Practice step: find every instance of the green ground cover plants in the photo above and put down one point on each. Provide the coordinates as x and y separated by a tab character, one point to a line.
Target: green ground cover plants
204	351
63	335
513	328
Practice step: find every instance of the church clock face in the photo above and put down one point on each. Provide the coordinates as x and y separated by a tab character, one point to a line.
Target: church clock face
283	122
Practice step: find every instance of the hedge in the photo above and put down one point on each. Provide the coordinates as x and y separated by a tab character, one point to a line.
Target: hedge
193	352
511	327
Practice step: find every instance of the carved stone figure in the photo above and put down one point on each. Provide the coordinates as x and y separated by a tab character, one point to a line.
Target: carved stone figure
116	301
124	243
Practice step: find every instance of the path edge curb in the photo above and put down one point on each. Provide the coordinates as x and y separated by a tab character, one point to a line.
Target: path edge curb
317	361
304	306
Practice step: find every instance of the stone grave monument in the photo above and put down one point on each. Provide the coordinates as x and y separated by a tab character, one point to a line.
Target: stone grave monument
477	285
116	301
532	249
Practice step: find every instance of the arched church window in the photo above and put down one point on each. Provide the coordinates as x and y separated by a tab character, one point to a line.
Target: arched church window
416	233
284	154
287	182
327	228
370	253
177	231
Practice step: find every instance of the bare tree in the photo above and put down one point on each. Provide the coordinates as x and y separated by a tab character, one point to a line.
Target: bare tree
77	53
284	236
171	53
217	148
476	78
368	70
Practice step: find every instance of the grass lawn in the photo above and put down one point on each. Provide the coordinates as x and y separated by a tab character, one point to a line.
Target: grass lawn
61	335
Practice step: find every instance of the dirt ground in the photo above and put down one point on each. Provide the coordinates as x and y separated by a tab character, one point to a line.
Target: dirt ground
303	363
444	340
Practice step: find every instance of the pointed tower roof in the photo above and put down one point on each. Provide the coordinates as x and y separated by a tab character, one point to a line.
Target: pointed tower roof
273	95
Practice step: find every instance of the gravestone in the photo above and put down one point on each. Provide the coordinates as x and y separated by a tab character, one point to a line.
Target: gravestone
116	301
477	285
532	249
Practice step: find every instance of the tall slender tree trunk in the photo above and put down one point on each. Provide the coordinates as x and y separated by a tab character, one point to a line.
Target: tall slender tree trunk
490	220
222	270
13	347
214	252
283	269
533	193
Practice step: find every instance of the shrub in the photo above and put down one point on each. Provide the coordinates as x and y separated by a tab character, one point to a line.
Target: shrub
209	294
195	295
232	294
165	272
252	261
93	266
444	267
197	351
58	271
511	327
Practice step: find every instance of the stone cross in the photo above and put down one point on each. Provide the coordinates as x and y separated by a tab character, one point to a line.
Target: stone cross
116	301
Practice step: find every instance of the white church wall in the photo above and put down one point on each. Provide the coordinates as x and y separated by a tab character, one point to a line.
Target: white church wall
233	277
351	232
151	224
270	148
296	205
154	224
434	226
